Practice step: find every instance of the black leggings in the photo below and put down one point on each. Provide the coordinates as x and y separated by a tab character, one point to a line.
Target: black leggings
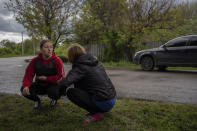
53	92
83	100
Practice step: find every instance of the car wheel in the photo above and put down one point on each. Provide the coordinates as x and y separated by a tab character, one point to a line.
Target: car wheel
162	68
147	63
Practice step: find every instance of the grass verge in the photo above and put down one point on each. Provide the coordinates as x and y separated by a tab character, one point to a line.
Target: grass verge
120	64
16	114
183	68
132	65
11	55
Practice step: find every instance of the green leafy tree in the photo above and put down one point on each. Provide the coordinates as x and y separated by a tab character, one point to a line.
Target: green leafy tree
44	18
103	22
8	44
149	15
183	23
121	24
8	48
30	46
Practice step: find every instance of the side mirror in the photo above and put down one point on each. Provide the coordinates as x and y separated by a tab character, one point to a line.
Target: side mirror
164	46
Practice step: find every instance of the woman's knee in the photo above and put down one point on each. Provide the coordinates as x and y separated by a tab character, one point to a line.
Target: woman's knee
70	92
53	93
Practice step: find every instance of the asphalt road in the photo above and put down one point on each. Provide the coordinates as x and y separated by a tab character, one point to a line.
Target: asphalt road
170	86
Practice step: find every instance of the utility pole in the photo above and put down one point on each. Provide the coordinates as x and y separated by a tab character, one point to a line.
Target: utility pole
22	44
34	50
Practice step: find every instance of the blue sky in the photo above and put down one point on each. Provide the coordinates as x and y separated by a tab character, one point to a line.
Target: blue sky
10	29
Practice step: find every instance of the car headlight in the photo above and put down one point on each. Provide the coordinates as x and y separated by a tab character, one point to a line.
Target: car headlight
137	53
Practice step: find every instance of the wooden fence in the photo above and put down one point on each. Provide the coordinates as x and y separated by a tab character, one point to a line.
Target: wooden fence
98	49
151	45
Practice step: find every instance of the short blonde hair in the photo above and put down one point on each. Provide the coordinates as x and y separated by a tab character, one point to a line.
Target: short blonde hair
74	51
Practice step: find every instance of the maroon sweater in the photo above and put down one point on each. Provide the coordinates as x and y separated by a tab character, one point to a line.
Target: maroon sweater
29	73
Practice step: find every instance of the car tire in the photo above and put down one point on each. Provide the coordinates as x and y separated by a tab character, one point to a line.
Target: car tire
147	63
162	68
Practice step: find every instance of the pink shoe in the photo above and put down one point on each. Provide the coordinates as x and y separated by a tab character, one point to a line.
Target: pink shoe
92	118
88	114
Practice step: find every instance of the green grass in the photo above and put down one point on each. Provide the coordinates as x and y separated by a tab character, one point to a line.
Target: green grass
120	64
16	114
7	56
183	68
132	65
11	55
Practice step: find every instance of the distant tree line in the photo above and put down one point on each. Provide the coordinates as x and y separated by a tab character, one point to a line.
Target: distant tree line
10	48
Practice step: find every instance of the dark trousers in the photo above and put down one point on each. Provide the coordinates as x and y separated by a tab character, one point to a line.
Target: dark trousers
83	100
53	91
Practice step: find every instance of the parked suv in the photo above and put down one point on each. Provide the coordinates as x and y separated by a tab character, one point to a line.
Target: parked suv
181	51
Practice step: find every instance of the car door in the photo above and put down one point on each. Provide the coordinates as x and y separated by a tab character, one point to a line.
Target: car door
191	52
173	52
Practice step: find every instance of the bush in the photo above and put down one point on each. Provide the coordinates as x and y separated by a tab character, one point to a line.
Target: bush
6	51
117	47
61	50
64	59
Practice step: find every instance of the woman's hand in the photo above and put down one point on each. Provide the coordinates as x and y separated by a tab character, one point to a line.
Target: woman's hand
26	91
42	78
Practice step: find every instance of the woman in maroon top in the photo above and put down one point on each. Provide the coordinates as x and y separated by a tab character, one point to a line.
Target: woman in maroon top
47	68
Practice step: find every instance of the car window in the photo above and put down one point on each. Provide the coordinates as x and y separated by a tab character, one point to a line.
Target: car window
193	41
178	42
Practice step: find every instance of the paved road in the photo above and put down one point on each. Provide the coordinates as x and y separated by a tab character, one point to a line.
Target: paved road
172	85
